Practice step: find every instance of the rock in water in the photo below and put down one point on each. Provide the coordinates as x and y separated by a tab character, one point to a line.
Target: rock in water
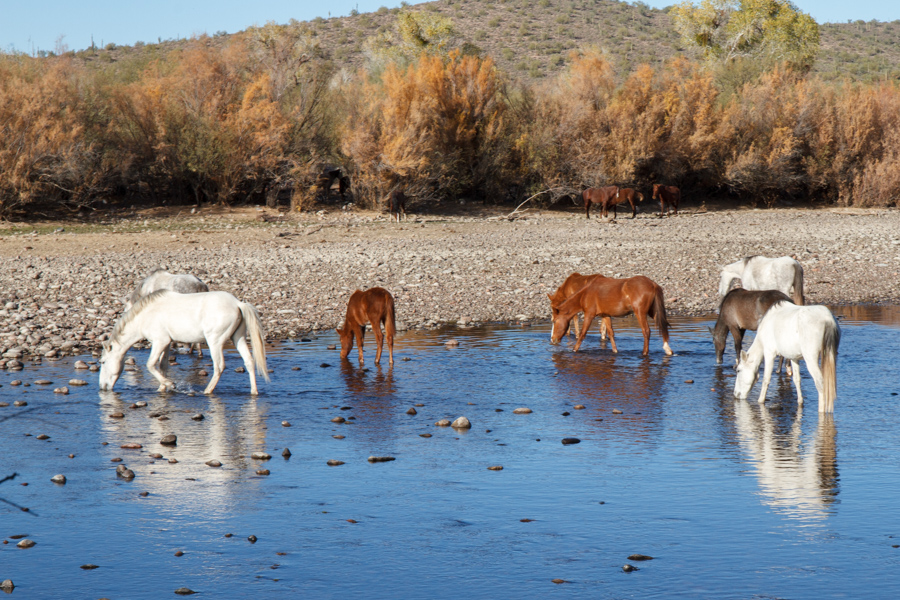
375	459
629	568
61	390
7	585
77	382
495	468
522	411
60	479
286	453
260	456
89	567
197	417
334	463
183	591
443	423
213	463
461	423
412	411
568	441
640	557
26	543
169	440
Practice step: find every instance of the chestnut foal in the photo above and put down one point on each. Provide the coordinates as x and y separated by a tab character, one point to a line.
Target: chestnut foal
375	306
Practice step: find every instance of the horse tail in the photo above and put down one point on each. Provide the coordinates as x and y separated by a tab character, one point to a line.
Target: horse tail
831	340
257	338
390	319
659	307
798	285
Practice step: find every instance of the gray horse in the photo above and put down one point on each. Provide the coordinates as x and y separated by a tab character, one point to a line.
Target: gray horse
161	279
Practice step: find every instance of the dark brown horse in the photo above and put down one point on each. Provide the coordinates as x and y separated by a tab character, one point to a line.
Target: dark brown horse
610	297
630	195
375	306
572	284
666	194
397	202
742	310
326	178
602	196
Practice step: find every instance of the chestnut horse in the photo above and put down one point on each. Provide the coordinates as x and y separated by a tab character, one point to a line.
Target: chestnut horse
572	284
375	306
610	297
631	195
742	310
602	196
666	194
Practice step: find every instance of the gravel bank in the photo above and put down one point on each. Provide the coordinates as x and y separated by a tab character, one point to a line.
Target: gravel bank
63	289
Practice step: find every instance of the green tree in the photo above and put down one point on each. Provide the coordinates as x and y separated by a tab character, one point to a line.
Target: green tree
414	34
766	32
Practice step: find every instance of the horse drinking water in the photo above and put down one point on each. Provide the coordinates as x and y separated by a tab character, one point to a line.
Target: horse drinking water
164	317
794	332
760	273
742	310
572	284
610	297
375	306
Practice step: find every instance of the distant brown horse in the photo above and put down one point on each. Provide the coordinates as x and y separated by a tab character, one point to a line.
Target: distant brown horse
572	284
610	297
375	306
326	178
742	310
666	194
631	195
397	204
602	196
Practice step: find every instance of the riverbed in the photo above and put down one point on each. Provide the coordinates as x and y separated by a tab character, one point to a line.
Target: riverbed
729	498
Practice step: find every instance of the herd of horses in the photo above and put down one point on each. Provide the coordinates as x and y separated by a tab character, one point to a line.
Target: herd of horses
166	308
611	196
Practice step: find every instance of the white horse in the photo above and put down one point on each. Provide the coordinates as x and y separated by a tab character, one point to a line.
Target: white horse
793	332
165	316
163	280
760	273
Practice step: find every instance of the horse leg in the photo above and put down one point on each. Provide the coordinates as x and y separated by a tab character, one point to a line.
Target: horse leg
576	327
218	358
379	340
633	209
796	378
737	335
604	328
360	334
588	319
156	353
609	329
199	350
587	209
816	373
645	329
240	342
767	377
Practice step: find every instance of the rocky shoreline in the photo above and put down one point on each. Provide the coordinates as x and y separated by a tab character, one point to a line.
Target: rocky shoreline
63	285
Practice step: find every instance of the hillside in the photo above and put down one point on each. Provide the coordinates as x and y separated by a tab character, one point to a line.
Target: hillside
532	40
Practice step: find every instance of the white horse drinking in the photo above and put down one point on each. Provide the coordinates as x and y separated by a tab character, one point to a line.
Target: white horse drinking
165	316
793	332
760	273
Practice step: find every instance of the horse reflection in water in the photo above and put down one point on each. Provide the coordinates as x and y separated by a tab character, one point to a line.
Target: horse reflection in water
371	393
604	382
799	482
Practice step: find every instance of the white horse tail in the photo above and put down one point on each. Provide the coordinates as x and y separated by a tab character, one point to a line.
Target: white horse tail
831	340
798	285
257	337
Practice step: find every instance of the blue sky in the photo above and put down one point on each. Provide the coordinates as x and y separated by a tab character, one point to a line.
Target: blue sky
36	25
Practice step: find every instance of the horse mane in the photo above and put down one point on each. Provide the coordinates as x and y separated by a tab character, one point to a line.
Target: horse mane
747	259
133	312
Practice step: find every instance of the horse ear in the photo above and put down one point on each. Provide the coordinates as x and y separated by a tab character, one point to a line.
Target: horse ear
339	330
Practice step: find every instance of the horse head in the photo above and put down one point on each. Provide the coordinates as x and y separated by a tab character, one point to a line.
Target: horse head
747	375
346	341
655	191
111	365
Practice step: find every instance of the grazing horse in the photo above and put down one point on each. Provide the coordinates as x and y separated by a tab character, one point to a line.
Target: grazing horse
793	332
572	284
375	306
760	273
397	202
742	310
602	196
164	317
631	195
666	194
610	297
160	279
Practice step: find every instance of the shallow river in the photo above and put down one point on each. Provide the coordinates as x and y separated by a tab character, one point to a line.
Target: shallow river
732	500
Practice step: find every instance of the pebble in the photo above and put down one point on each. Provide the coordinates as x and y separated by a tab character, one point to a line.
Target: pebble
80	364
260	456
443	423
689	381
569	441
43	382
338	437
452	343
296	369
183	591
640	557
139	404
124	472
60	479
526	520
89	567
558	581
578	407
262	472
15	382
7	585
324	365
203	372
131	446
285	423
213	463
461	423
566	413
239	370
169	440
26	543
115	460
286	453
173	461
425	435
418	405
117	415
179	553
334	463
630	568
4	404
144	494
20	403
252	539
412	411
77	382
495	468
42	436
616	411
61	390
519	411
376	459
338	420
197	417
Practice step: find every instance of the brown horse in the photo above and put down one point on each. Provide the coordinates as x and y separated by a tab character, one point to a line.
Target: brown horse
397	202
610	297
326	178
631	195
742	310
602	196
375	306
666	194
572	284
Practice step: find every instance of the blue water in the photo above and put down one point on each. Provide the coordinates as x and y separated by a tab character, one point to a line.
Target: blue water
732	500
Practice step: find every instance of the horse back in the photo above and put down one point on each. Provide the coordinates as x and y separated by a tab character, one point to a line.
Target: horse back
600	195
